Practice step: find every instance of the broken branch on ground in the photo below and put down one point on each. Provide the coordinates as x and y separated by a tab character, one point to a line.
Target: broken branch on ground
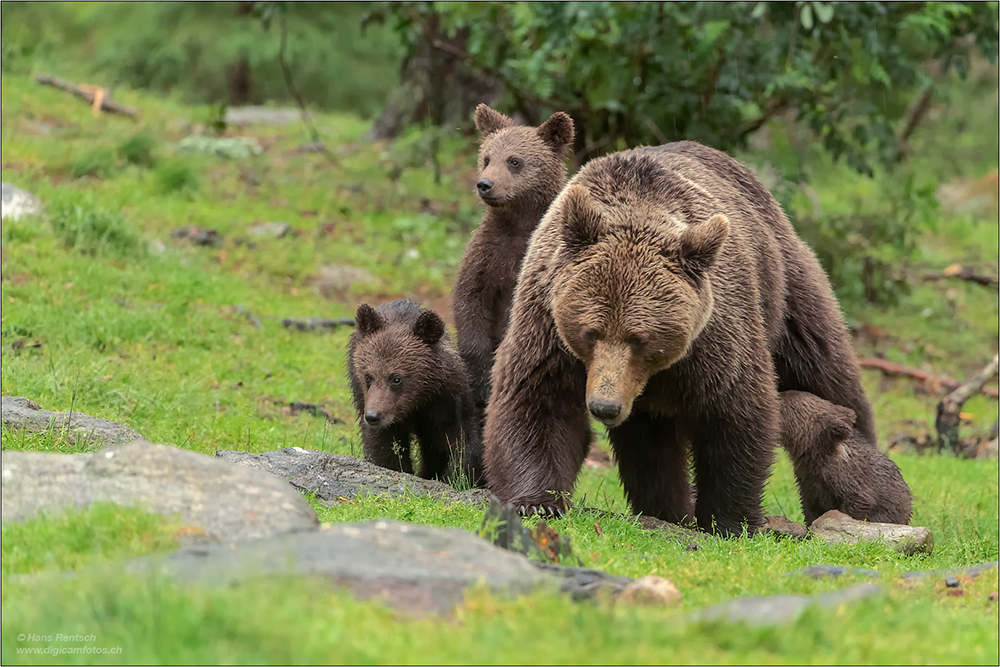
943	381
949	409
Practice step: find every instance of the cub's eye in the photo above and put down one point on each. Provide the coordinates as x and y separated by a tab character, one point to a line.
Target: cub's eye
368	379
590	336
638	342
486	161
514	162
395	380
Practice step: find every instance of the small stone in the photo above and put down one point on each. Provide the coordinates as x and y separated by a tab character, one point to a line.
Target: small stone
993	597
784	527
952	582
274	230
651	590
821	571
838	528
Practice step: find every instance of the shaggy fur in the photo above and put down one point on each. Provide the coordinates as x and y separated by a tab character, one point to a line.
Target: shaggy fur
521	170
835	467
665	292
408	380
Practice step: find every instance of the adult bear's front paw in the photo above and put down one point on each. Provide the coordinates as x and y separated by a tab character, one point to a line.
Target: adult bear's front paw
551	504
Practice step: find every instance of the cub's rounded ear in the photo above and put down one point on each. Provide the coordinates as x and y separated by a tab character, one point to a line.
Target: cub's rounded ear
429	327
489	121
557	131
840	422
582	225
367	321
701	242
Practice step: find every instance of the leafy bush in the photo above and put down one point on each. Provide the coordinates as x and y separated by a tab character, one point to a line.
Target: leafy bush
176	176
95	232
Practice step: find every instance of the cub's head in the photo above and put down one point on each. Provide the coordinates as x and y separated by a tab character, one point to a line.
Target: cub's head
521	165
812	425
632	297
395	363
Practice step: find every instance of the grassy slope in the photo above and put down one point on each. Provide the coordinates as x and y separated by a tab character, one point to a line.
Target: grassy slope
179	366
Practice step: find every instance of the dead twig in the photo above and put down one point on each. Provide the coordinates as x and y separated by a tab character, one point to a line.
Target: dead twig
96	95
945	382
253	320
295	407
949	409
317	323
963	273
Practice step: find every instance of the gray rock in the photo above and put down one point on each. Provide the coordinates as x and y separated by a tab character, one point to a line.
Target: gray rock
971	571
335	477
255	115
778	609
270	230
21	413
821	571
334	281
227	501
17	203
411	567
838	528
582	583
952	581
226	147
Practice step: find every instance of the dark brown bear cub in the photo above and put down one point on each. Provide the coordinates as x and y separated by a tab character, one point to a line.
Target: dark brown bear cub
837	469
665	294
521	170
408	380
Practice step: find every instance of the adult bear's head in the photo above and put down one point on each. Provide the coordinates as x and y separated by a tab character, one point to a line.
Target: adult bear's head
633	293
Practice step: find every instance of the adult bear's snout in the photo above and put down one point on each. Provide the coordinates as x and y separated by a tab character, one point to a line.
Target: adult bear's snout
605	411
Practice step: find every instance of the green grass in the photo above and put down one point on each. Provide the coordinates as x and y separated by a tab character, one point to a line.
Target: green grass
138	327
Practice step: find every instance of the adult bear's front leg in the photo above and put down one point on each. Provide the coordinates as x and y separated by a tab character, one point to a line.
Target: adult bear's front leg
733	453
537	429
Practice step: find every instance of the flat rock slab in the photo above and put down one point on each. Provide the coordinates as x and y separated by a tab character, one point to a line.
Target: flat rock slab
774	610
21	413
256	115
971	571
336	477
229	502
822	571
838	528
411	567
18	203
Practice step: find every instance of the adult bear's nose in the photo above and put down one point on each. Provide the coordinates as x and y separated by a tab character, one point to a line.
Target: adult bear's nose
484	186
373	418
604	410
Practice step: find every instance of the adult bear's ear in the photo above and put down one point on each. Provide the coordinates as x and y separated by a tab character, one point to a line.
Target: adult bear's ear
489	121
701	242
557	131
581	221
367	321
429	327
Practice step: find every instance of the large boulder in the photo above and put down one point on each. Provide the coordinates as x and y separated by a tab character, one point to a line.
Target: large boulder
21	413
18	203
336	477
228	501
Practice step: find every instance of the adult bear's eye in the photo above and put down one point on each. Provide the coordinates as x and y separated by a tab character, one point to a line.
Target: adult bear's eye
368	379
396	380
486	161
590	336
637	342
514	163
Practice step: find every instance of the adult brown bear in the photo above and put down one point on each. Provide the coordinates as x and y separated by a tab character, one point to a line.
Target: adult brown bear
666	293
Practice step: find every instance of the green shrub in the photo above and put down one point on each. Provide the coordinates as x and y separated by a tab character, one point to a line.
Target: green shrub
95	232
139	149
176	176
96	163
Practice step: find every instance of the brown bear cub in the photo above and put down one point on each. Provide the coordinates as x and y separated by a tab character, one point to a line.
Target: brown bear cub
408	380
835	467
665	294
521	170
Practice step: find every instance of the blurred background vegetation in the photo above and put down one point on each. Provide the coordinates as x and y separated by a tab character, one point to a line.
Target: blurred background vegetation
795	87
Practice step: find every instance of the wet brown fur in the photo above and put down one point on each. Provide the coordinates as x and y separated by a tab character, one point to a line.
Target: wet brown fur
484	288
835	467
667	283
404	368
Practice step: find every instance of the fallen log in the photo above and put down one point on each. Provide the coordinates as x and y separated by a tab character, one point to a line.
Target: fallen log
963	273
945	382
88	95
949	409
